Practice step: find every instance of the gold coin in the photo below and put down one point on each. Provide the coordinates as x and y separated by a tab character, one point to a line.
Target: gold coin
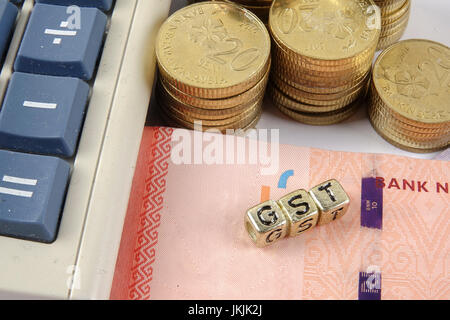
286	62
306	79
321	88
396	15
332	32
389	6
317	96
243	124
387	41
391	128
166	98
395	27
406	145
412	78
322	65
255	3
213	50
390	35
377	105
279	98
219	104
406	128
251	111
299	96
327	118
363	62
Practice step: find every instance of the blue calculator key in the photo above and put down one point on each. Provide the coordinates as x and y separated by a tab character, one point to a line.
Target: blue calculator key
43	114
101	4
8	14
62	41
32	192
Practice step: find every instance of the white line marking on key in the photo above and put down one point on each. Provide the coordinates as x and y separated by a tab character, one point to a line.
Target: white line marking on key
39	105
17	180
55	32
14	192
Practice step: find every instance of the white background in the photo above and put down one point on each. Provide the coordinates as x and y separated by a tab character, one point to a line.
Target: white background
430	19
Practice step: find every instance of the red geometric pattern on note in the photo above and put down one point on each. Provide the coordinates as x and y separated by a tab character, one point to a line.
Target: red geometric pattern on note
150	215
416	234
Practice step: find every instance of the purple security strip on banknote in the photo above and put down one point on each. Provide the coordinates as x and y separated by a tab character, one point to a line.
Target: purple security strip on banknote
371	204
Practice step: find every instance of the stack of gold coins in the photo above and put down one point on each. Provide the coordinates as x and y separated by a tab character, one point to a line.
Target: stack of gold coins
214	62
259	7
394	20
322	53
410	95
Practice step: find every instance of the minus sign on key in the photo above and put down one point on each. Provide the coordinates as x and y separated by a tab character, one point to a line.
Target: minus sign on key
56	32
39	105
15	192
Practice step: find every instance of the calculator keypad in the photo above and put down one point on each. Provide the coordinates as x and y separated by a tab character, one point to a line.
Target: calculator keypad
43	108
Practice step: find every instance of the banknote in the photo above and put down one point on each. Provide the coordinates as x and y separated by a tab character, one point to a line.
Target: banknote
444	155
184	235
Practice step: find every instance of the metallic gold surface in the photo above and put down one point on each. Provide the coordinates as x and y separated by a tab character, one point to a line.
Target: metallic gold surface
412	78
395	27
300	211
411	131
322	89
285	62
219	104
377	104
286	87
166	98
334	31
389	6
409	103
397	14
279	98
298	96
395	141
265	223
175	121
331	199
321	119
213	50
303	79
387	41
424	140
325	70
322	54
250	112
394	20
258	7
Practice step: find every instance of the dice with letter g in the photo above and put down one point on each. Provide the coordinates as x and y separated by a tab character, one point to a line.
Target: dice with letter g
266	223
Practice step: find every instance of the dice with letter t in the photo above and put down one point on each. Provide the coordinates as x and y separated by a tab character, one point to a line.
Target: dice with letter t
300	210
331	200
266	223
